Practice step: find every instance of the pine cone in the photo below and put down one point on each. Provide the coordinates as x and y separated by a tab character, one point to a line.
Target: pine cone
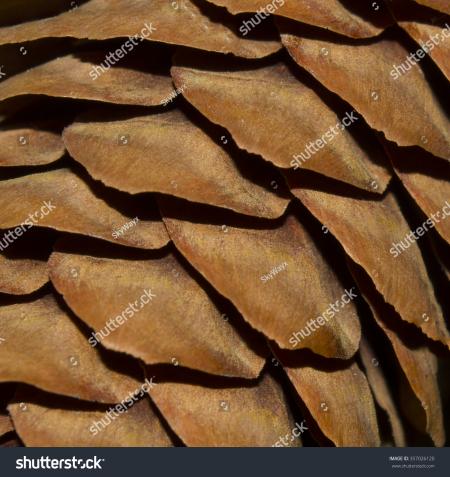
224	223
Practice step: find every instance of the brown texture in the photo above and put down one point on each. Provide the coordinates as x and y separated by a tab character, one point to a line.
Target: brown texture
45	348
340	401
13	11
43	420
367	230
297	117
252	416
332	14
427	182
69	77
177	23
421	33
26	146
381	391
77	209
441	251
417	361
5	425
277	307
173	250
360	74
441	5
180	323
168	154
21	276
